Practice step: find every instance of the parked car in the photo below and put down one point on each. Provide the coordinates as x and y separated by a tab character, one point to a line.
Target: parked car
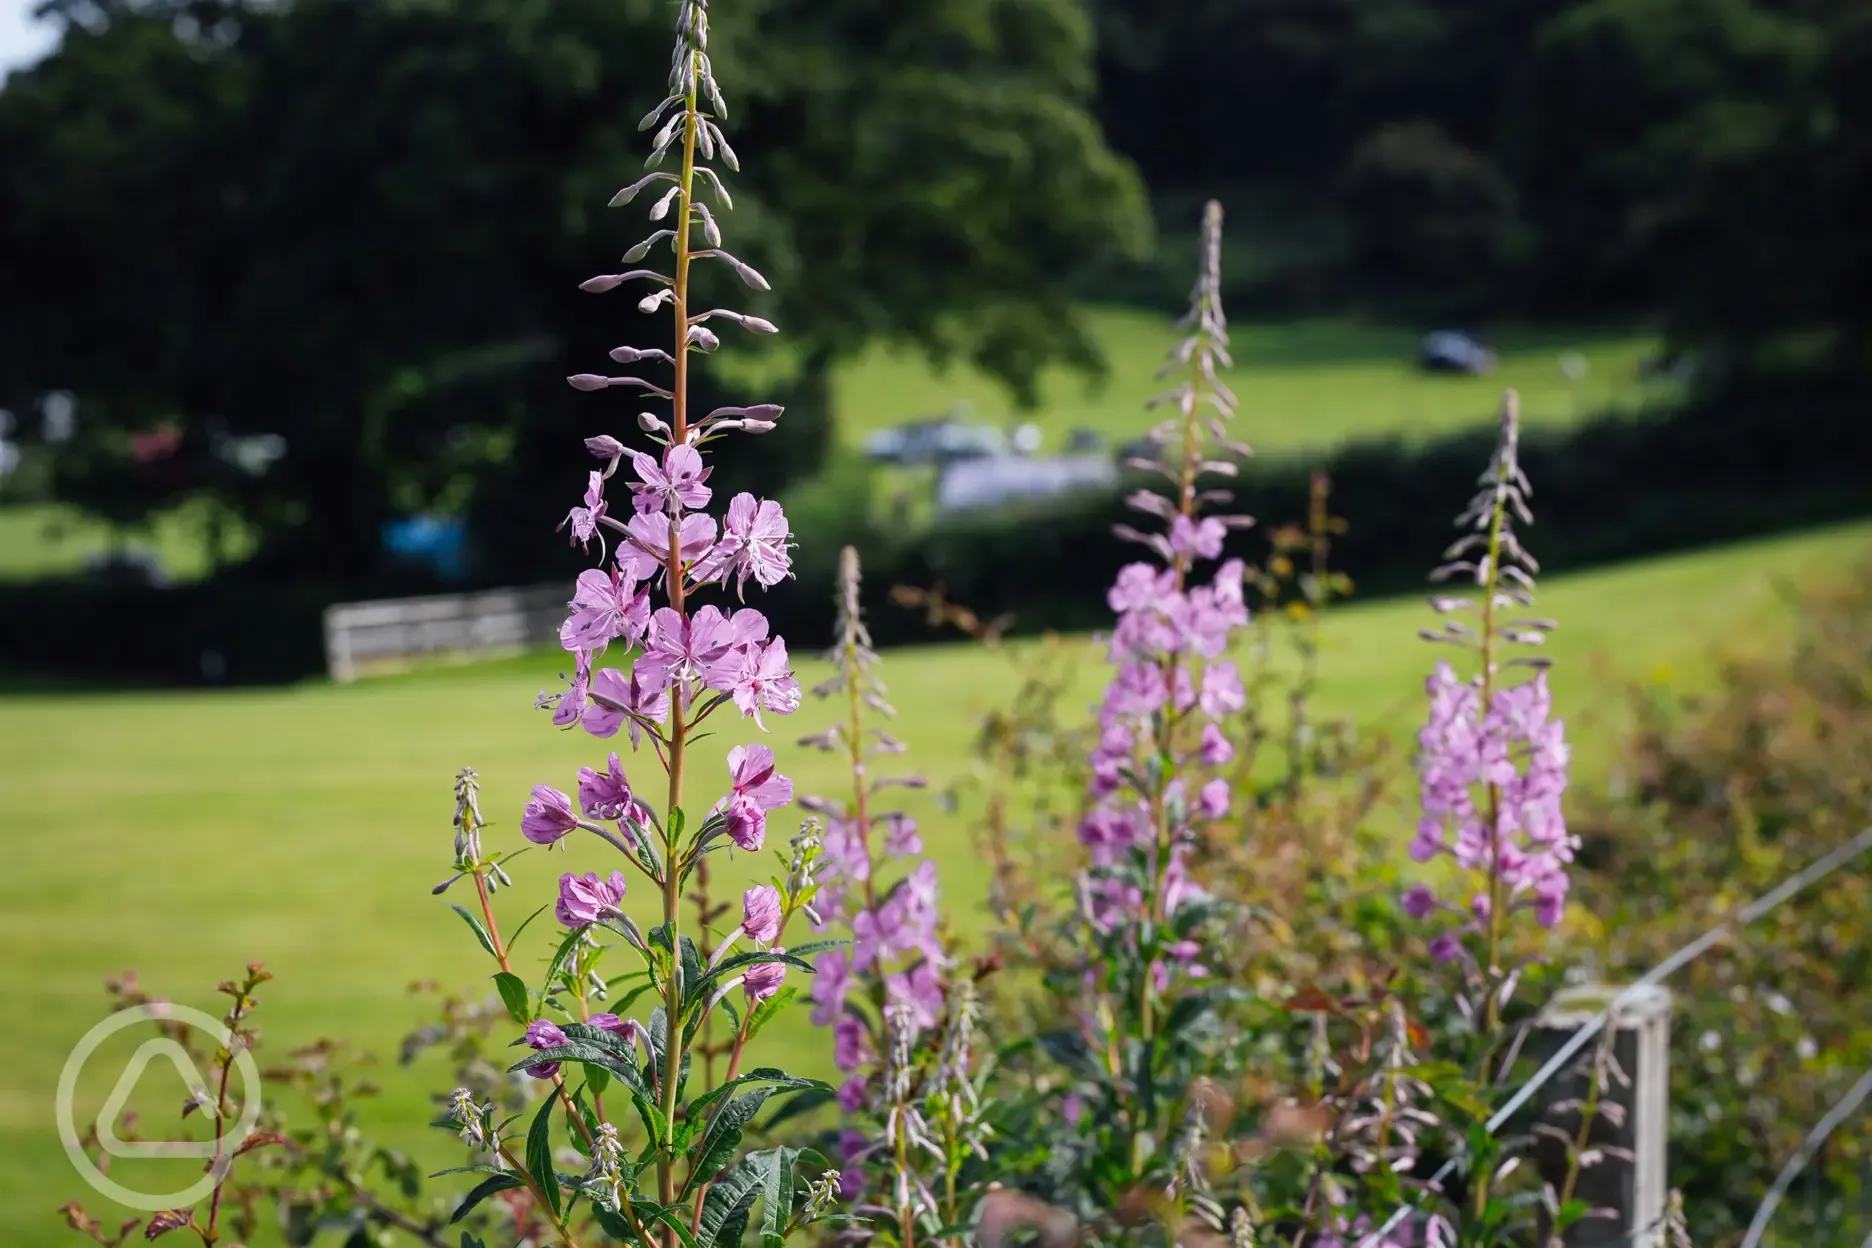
934	442
1452	351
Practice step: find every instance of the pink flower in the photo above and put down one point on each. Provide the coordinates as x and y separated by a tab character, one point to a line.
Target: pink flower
616	697
851	1094
1419	902
1214	800
1446	947
1216	748
760	913
900	835
831	980
1142	588
1202	538
763	680
607	794
758	788
850	1046
584	520
570	705
682	649
920	990
646	554
762	980
541	1035
604	607
754	543
585	899
1222	694
548	817
674	486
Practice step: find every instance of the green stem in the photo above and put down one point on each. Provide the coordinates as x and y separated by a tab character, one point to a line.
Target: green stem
679	728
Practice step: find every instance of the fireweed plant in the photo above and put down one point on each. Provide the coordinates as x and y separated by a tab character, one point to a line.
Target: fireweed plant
1147	1020
902	1026
678	1175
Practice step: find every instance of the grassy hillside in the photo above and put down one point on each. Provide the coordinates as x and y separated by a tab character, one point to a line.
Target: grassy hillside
184	833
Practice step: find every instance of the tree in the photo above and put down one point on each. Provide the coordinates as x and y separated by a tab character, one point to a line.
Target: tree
361	226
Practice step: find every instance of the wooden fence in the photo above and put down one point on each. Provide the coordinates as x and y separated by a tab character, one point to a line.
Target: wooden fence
388	635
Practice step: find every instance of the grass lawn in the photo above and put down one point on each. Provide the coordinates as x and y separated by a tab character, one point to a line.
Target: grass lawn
184	833
1303	385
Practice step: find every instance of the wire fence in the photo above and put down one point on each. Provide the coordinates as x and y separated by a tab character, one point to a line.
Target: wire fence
1816	871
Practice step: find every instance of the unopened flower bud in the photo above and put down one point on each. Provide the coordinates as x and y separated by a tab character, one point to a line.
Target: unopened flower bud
757	426
650	422
604	446
588	381
602	283
651	302
703	338
759	326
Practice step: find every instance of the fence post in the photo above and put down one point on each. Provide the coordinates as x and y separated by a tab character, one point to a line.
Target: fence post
1631	1177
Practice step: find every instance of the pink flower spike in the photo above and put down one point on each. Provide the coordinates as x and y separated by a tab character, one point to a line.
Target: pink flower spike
548	818
676	485
760	913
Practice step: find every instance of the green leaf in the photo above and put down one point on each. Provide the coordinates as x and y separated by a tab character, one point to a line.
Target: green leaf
764	1074
676	1217
472	1241
722	1138
765	1011
515	938
695	991
559	959
513	991
734	1191
539	1153
800	1105
470	1170
486	1188
475	926
691	966
777	1181
806	949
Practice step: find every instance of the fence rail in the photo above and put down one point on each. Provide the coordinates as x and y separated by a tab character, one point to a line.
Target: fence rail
389	634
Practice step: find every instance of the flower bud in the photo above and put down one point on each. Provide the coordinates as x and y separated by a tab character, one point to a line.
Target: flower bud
604	446
751	425
759	326
651	302
703	338
588	381
600	284
650	422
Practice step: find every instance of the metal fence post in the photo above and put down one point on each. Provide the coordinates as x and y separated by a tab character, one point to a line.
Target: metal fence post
1631	1176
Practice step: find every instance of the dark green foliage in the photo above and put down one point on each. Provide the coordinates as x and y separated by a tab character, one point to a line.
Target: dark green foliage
362	226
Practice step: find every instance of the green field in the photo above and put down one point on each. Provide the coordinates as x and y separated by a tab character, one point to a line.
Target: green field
1303	385
183	833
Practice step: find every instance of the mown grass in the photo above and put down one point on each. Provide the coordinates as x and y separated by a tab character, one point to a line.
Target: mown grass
184	833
